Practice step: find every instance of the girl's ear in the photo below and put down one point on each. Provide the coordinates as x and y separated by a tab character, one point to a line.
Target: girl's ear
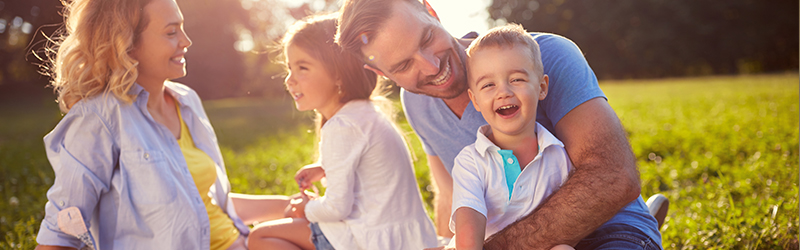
373	69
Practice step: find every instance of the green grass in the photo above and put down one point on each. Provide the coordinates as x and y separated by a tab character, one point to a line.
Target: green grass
724	150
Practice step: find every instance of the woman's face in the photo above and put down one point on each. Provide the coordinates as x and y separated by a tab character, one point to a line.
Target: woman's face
310	83
162	45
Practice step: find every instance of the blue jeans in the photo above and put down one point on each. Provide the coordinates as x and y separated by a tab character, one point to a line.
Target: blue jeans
319	239
618	236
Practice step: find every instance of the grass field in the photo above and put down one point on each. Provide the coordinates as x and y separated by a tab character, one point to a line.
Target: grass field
724	150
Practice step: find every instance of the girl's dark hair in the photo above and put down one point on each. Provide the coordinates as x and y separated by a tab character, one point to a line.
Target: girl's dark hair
315	35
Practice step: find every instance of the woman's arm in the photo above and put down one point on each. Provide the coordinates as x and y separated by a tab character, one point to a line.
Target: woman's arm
83	154
470	228
41	247
257	208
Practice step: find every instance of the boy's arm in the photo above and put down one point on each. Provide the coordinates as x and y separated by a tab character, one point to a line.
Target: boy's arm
470	228
443	195
604	181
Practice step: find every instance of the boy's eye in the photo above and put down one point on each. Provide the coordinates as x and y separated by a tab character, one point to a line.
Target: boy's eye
491	84
517	80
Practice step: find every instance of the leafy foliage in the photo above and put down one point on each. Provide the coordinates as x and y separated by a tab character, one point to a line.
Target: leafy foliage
657	38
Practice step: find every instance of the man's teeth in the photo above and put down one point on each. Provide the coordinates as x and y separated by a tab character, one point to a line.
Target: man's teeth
445	74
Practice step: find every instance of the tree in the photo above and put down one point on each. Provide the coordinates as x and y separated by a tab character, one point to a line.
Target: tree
659	38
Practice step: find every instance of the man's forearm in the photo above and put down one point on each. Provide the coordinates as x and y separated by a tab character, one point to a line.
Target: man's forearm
442	216
604	181
443	195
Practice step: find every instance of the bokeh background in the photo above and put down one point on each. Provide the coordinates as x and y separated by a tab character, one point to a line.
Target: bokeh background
622	39
707	91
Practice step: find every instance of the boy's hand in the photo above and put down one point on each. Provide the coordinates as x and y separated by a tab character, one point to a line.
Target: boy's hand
308	175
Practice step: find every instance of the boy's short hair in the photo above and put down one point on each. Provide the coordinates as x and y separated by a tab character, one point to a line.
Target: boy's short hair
508	36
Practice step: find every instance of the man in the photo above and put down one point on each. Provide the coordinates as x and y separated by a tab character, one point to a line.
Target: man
598	207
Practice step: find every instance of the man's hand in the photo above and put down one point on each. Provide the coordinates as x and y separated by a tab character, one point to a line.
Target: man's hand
604	181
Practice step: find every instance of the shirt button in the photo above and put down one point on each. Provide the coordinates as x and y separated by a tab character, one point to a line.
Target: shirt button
510	161
146	156
61	203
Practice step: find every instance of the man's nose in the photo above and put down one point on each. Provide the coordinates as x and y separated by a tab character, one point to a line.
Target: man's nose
429	63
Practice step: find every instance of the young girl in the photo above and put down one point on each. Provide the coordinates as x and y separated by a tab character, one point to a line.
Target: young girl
372	199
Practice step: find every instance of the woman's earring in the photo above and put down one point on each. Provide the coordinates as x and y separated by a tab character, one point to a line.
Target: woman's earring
340	88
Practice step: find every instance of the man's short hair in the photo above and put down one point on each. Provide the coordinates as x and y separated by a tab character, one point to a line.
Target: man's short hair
508	36
360	20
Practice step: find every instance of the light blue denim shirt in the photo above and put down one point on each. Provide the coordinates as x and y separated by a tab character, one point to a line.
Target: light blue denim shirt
127	175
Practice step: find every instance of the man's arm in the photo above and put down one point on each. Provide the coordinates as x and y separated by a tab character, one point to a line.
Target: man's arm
442	195
604	181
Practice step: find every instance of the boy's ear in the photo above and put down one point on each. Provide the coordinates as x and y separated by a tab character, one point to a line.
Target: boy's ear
430	10
543	87
373	69
472	98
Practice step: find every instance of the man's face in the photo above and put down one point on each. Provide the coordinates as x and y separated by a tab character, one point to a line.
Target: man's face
414	50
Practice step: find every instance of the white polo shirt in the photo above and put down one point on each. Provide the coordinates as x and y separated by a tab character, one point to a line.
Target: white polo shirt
479	180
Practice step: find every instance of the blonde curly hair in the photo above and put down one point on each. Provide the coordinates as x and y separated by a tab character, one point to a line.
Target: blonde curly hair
89	56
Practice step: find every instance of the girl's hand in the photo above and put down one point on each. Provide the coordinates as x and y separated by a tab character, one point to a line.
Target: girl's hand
297	206
308	175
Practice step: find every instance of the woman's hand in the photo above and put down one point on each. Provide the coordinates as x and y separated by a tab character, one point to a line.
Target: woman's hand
308	175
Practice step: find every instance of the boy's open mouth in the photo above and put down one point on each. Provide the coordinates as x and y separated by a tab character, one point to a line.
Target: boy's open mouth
506	110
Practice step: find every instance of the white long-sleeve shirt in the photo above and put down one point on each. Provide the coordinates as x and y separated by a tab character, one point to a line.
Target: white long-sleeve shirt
372	199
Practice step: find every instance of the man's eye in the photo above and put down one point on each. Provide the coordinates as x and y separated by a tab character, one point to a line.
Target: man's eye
428	38
402	68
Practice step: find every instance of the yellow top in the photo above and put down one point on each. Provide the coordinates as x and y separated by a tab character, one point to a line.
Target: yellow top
204	173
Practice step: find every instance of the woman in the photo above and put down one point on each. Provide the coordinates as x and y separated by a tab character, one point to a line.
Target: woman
135	157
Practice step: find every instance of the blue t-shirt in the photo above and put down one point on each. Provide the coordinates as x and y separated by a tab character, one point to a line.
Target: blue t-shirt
572	82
